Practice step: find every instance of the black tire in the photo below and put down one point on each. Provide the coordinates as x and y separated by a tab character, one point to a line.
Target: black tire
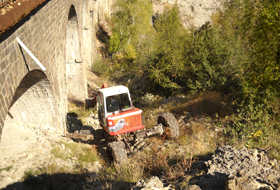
116	152
170	124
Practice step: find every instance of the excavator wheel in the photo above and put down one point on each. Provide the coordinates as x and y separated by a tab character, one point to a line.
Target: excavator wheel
170	124
116	152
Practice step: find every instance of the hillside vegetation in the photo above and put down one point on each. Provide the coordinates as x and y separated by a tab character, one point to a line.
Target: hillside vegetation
236	56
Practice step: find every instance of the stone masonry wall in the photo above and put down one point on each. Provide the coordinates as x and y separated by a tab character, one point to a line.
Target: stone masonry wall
43	31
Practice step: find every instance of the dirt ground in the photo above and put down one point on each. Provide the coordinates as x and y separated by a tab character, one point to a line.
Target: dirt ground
22	147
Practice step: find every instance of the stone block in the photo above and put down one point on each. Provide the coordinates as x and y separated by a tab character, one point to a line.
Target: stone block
1	100
2	78
2	66
3	45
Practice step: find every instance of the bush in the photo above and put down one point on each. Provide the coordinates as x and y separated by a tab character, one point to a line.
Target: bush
252	125
101	68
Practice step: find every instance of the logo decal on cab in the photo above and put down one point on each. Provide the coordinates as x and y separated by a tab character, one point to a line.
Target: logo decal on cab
118	126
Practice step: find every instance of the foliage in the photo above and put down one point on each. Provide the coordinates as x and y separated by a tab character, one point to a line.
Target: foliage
252	125
101	68
130	53
208	62
238	54
252	29
191	60
168	58
131	22
114	43
263	68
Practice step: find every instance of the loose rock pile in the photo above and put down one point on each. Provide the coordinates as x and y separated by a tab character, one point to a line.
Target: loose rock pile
228	169
245	168
234	169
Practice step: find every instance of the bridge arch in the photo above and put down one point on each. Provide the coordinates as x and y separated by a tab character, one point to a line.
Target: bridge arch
75	69
33	103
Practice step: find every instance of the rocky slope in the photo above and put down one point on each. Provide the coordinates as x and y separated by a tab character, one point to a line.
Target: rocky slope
193	13
228	169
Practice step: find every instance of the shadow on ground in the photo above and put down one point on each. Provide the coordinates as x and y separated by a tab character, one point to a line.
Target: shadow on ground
75	124
61	181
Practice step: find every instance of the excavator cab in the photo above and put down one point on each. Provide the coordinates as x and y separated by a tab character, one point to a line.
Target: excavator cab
116	113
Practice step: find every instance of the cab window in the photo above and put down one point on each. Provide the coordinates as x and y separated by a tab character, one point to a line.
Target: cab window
117	102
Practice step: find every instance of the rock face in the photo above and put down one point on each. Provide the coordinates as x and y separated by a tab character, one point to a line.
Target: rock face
193	13
245	169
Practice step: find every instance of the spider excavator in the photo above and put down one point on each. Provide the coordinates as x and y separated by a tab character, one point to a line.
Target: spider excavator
123	124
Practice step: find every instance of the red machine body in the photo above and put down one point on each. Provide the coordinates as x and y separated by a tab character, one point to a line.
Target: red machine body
116	113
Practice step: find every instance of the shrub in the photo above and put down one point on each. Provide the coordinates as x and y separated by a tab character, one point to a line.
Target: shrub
251	125
101	68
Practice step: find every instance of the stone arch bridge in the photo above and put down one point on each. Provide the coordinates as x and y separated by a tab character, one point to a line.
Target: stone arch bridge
61	35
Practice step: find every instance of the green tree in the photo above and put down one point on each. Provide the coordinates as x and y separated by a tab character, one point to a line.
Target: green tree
114	43
132	22
252	29
167	61
208	62
263	20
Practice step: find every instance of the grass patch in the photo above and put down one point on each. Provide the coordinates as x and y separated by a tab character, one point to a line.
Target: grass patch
78	110
82	152
58	153
118	177
47	169
88	155
8	168
28	173
183	139
198	128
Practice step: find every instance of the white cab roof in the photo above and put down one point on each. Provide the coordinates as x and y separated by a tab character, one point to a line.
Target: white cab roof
110	91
